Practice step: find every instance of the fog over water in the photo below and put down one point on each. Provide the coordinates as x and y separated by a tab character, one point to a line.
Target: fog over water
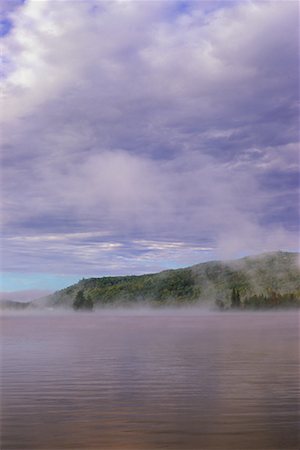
148	379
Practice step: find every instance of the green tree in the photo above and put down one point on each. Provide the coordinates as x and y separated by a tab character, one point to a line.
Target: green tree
89	304
220	304
79	300
235	298
82	302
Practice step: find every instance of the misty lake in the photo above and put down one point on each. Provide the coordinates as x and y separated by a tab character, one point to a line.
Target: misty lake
140	380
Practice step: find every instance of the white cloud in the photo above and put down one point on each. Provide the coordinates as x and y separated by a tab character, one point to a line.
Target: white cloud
149	123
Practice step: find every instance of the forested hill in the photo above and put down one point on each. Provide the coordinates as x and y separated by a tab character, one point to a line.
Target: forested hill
211	283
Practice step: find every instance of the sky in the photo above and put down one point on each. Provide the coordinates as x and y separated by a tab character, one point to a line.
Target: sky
139	136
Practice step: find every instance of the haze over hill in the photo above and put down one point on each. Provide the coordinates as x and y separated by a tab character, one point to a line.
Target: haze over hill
205	284
24	295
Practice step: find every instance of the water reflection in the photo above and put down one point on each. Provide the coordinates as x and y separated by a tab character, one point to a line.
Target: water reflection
187	381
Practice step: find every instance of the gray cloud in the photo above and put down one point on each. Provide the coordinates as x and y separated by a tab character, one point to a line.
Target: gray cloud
156	124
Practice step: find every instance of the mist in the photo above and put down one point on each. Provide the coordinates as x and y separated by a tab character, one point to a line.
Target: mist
150	191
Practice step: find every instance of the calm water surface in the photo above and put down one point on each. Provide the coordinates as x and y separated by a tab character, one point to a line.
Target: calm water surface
147	381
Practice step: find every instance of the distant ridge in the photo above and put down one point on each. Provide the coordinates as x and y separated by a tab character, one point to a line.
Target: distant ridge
208	284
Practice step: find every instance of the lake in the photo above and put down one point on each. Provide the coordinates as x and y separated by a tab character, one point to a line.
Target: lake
150	380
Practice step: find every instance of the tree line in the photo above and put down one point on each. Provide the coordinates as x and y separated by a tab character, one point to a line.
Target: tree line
272	299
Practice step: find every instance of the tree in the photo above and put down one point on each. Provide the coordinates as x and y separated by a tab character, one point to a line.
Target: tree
82	302
79	300
89	304
220	304
238	298
235	298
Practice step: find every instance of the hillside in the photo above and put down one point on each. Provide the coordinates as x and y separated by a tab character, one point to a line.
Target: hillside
209	283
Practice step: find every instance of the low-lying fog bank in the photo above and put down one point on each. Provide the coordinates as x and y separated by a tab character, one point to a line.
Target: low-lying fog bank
148	311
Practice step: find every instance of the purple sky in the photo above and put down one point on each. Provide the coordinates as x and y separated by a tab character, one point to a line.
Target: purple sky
139	136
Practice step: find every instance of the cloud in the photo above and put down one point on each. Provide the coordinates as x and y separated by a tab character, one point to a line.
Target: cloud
153	124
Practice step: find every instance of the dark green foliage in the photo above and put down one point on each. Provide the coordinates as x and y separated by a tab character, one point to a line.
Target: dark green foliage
177	285
79	300
89	304
82	302
235	298
220	304
272	300
211	283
